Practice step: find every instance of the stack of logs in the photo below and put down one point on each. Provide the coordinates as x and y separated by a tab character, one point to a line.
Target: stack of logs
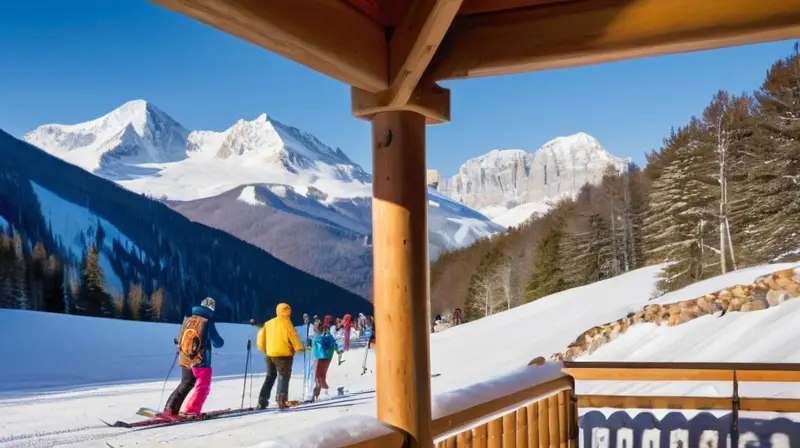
766	291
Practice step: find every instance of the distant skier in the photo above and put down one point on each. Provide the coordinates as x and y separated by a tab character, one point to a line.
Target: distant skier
307	324
362	326
329	322
324	347
348	327
372	339
278	339
197	335
457	316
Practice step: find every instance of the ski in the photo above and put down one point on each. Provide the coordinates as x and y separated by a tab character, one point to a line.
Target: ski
158	420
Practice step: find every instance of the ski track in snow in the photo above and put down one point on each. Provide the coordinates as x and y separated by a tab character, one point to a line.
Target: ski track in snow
470	361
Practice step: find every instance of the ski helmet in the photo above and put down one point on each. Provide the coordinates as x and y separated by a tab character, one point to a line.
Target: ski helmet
209	303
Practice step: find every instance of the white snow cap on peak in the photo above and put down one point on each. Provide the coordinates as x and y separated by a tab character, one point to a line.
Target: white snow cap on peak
262	118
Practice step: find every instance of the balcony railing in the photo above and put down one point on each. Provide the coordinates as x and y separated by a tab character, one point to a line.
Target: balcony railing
537	407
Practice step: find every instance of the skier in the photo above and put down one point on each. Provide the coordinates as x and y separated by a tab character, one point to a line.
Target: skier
324	347
307	323
372	340
362	325
347	329
279	341
457	316
198	334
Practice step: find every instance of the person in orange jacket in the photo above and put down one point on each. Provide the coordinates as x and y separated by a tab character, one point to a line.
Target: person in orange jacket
279	341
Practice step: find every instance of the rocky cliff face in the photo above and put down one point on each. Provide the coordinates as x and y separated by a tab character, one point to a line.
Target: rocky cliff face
504	179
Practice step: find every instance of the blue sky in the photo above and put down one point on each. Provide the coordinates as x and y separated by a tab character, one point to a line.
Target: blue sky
71	61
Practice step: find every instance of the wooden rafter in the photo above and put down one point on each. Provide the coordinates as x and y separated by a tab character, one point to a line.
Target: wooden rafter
388	14
328	36
411	49
483	6
596	31
413	45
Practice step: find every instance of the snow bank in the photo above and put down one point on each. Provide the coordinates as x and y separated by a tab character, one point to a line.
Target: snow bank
479	351
49	352
341	432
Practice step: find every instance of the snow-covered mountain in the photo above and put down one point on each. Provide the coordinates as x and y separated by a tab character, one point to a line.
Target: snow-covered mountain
510	185
273	169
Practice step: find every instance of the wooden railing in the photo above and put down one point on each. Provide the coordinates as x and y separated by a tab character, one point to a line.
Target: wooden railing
538	408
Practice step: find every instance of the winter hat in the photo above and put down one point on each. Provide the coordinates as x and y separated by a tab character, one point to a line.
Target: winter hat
209	303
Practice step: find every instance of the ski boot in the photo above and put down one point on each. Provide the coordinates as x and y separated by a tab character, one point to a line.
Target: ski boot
282	403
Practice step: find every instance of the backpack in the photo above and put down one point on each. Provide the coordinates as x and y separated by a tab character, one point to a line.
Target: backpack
192	341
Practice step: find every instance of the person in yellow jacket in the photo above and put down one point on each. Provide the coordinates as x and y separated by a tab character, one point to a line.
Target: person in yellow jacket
279	341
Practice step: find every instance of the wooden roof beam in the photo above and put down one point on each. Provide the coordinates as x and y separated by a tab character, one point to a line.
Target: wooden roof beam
330	37
598	31
411	49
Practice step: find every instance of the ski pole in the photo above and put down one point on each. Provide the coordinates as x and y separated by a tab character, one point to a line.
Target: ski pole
164	387
246	366
250	359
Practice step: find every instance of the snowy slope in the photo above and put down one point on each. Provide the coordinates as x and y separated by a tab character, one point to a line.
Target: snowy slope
511	185
473	353
74	227
143	149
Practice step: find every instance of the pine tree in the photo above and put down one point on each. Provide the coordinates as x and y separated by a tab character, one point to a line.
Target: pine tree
774	169
547	277
679	224
483	294
8	298
54	297
135	303
727	127
119	305
19	272
92	299
37	277
158	304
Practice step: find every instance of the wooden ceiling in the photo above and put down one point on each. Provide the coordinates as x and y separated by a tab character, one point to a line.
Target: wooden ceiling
393	51
390	13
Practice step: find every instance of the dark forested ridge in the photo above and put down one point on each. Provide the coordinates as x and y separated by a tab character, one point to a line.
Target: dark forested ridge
164	262
723	192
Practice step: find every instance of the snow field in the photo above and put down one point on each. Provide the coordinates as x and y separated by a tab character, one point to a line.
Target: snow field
474	361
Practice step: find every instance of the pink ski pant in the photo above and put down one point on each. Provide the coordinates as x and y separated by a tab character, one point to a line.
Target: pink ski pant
194	405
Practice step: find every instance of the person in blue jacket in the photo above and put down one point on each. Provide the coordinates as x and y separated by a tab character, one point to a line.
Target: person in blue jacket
324	347
198	334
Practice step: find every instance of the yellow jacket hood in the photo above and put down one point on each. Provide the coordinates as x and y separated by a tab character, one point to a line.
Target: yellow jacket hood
278	336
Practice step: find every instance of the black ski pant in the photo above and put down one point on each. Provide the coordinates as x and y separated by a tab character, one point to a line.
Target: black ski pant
175	401
280	368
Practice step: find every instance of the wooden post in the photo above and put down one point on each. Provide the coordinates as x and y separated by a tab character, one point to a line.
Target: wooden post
544	425
510	430
464	440
533	425
522	428
496	433
563	436
479	436
552	408
401	287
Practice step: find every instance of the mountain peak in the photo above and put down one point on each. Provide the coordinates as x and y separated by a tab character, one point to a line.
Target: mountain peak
135	132
262	118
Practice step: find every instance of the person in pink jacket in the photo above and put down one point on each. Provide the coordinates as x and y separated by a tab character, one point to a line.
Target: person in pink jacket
348	325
